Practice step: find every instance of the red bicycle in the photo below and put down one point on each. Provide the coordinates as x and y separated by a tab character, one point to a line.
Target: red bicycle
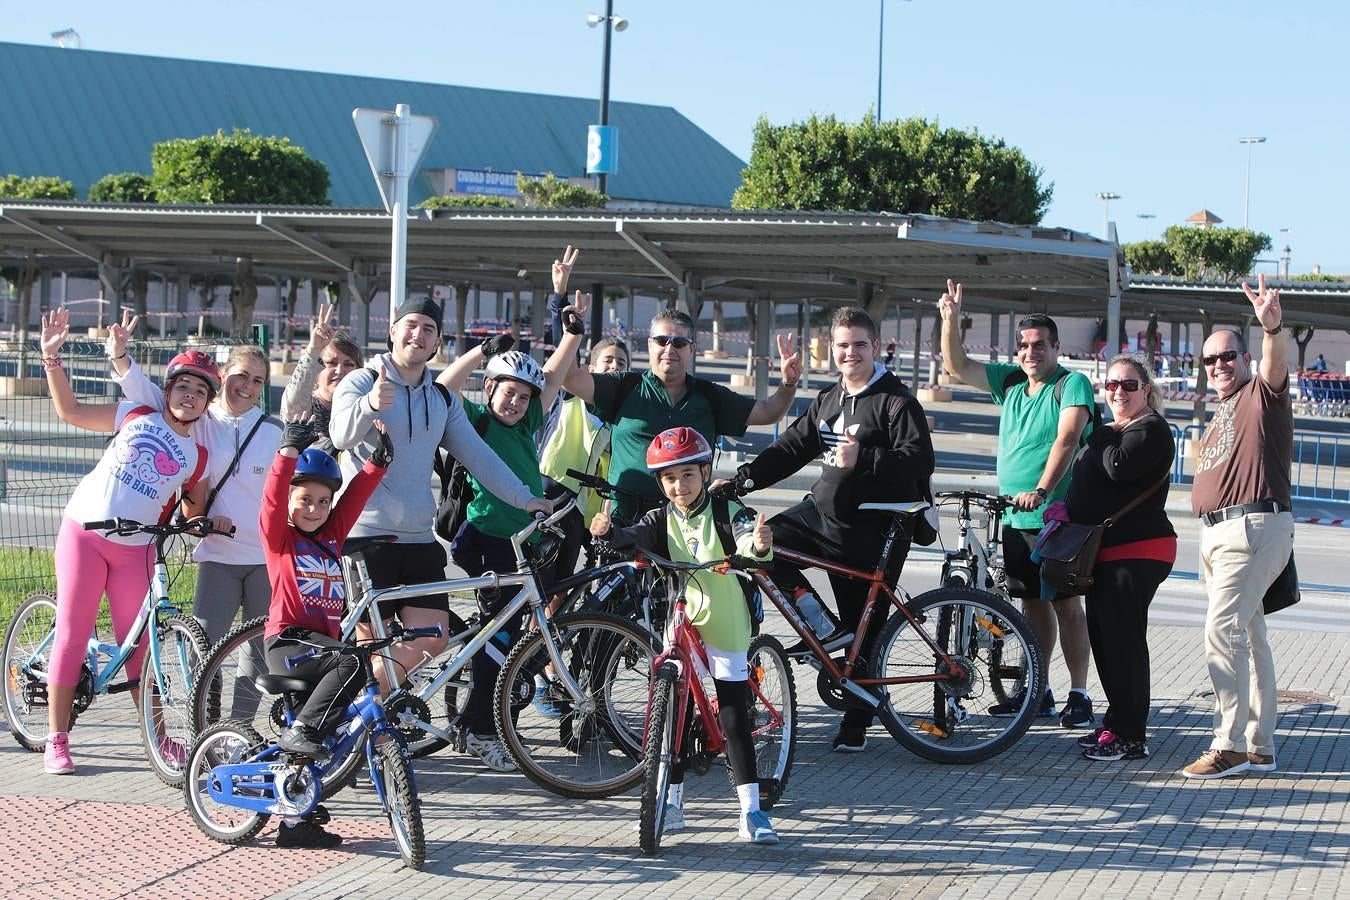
682	724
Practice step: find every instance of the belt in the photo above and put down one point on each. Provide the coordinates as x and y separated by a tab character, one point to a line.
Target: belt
1233	512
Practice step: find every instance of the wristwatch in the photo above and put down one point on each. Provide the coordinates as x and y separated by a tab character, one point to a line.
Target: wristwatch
1276	330
1041	492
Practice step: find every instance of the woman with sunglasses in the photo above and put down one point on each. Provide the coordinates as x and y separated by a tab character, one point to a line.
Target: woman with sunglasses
1128	458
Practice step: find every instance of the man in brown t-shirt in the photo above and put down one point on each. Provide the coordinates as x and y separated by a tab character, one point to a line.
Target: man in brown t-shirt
1242	496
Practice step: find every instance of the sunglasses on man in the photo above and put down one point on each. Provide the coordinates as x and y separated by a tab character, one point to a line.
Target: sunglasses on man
1213	359
1128	385
667	340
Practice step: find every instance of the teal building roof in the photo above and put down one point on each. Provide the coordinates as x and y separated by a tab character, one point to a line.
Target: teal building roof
81	114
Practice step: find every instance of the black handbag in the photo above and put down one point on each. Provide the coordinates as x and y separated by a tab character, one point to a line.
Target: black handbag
1283	592
1069	552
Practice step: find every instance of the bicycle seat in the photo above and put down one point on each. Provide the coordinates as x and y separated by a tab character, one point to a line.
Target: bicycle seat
906	508
280	684
354	545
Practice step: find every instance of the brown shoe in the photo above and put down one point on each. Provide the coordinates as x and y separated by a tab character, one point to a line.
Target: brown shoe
1259	762
1217	764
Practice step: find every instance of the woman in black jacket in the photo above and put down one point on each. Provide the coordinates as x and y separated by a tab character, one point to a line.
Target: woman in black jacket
1132	455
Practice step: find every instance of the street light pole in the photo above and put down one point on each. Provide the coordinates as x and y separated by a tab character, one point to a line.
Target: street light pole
600	179
1145	217
1247	185
1107	197
881	46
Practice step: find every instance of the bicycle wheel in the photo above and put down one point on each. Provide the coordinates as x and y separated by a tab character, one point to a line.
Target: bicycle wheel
657	760
28	640
1007	669
166	696
947	721
591	748
224	687
222	744
773	717
401	804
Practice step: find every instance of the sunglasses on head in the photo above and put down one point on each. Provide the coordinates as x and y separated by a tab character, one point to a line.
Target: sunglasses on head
1226	356
667	340
1128	385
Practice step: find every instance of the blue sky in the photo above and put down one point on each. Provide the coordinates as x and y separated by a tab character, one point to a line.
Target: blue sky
1146	100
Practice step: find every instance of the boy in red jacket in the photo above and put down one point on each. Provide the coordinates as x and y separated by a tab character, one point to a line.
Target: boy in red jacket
302	534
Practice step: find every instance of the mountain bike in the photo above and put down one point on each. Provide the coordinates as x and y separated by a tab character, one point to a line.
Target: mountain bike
175	645
236	781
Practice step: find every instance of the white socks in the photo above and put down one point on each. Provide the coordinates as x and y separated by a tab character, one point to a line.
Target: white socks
748	794
675	795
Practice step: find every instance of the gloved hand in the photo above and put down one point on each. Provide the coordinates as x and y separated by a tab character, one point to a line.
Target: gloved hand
384	451
299	433
498	343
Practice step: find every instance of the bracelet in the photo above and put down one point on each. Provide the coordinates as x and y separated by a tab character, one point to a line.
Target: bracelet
790	384
1276	330
51	363
1041	492
116	358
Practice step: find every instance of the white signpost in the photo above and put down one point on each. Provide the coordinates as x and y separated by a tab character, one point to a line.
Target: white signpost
394	143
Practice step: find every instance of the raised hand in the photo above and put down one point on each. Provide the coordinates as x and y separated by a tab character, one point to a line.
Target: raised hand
562	269
498	343
321	329
384	450
299	432
949	304
789	361
846	454
601	522
119	334
381	396
574	315
55	328
1265	303
763	535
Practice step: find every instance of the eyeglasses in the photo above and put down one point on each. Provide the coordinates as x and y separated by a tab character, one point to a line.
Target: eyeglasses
1226	356
1128	385
668	340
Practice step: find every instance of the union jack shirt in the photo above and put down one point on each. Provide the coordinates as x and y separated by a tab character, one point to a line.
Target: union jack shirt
304	569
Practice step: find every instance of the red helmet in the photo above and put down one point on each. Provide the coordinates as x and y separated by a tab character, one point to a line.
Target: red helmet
194	362
677	447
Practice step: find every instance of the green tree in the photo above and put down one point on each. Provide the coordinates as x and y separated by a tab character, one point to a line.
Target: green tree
1321	277
458	201
239	167
38	187
909	165
552	192
1223	253
122	187
1150	258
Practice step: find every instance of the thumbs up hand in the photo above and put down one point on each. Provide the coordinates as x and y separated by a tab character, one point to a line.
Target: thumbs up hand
601	523
763	535
846	454
381	396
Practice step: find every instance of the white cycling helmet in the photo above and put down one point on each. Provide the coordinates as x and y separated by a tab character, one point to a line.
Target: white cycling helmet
518	366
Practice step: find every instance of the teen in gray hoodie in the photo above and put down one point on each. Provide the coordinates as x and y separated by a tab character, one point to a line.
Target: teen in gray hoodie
397	388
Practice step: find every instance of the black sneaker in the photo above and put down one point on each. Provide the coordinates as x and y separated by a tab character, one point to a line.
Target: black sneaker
835	640
1009	709
302	739
1117	748
1088	741
850	740
306	836
1077	711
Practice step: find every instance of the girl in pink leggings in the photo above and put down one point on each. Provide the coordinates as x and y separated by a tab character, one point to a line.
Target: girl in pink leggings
150	460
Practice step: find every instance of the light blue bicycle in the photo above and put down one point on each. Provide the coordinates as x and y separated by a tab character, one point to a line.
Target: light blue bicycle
176	645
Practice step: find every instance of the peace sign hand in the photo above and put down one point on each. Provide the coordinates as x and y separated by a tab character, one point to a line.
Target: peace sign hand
789	362
949	304
562	270
574	315
321	329
119	335
1265	303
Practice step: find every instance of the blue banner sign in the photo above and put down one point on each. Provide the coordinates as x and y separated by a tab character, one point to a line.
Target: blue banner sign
602	150
481	181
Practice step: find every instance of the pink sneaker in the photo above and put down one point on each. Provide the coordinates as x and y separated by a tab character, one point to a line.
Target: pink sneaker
56	758
172	751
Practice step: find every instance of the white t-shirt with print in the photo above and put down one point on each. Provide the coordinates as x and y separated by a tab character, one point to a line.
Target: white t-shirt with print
140	473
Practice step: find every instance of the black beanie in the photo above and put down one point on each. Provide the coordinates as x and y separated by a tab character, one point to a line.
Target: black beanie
424	305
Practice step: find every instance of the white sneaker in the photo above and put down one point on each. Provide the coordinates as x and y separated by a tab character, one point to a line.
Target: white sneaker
674	820
491	751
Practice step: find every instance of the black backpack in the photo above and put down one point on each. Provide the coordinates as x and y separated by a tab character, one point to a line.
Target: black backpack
456	491
721	511
1095	417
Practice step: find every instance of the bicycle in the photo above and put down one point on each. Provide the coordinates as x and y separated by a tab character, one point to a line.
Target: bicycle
978	563
176	644
682	721
236	781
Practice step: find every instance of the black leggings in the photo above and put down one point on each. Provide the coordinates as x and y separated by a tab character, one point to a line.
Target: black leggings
1117	621
733	713
336	677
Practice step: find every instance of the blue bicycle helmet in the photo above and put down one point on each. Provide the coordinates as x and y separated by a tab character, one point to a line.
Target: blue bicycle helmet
315	465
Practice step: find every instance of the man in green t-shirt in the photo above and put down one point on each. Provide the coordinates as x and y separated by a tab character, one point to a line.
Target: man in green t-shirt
1038	436
667	396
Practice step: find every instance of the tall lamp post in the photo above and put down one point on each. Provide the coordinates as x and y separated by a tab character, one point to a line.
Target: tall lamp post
595	149
1247	185
881	45
1106	197
1144	217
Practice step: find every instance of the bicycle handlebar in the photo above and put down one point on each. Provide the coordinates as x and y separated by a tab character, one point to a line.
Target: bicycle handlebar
599	485
991	502
402	634
733	564
199	527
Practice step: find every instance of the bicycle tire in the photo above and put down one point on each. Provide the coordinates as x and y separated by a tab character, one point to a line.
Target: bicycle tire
592	751
223	743
775	745
224	686
25	703
658	752
166	708
401	803
967	733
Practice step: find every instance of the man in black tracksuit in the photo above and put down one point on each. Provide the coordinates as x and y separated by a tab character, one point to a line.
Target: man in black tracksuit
871	438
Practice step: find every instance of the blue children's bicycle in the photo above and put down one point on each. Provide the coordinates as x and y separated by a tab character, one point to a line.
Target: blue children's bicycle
176	646
236	781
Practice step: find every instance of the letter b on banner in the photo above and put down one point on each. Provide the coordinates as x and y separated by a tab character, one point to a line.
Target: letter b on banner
602	150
